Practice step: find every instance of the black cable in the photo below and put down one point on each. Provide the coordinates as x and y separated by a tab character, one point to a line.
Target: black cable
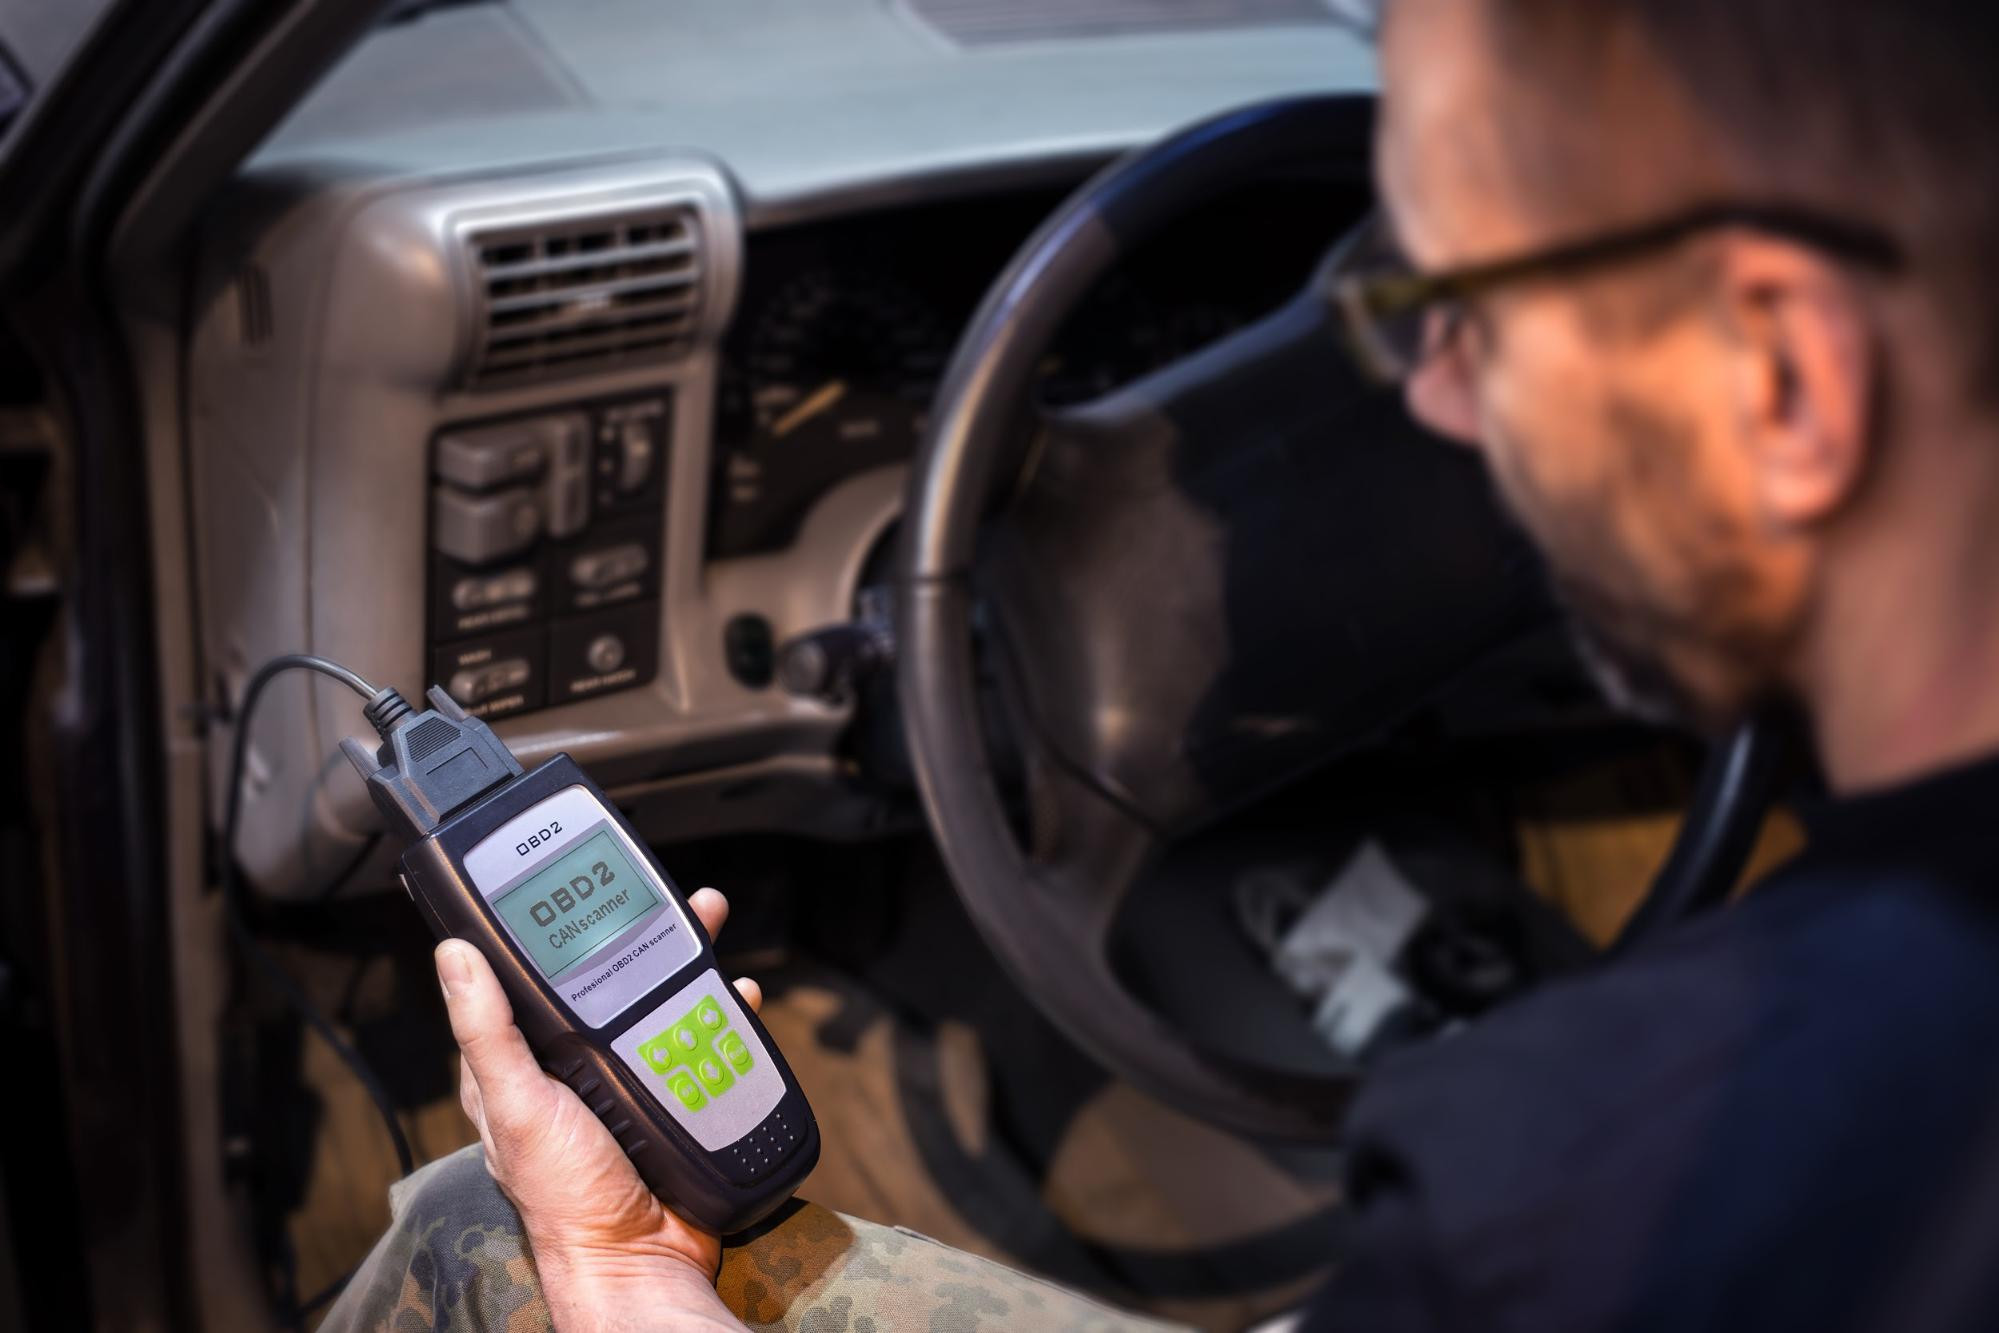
232	888
341	880
1739	785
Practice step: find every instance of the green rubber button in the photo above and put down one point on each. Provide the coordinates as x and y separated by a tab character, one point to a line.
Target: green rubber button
657	1054
710	1016
687	1037
689	1094
734	1051
711	1073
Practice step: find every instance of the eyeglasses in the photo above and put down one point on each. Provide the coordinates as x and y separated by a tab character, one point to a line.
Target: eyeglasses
1396	317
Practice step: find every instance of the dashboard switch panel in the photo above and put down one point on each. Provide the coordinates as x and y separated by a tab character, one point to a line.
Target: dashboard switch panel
545	543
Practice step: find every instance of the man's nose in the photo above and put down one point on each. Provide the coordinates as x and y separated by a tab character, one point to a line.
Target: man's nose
1440	396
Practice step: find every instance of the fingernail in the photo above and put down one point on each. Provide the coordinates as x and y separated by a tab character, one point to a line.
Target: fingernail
452	966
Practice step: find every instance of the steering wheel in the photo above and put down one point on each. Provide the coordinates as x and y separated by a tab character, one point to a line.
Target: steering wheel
1194	590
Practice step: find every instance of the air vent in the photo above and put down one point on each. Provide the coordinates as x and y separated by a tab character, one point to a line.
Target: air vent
585	295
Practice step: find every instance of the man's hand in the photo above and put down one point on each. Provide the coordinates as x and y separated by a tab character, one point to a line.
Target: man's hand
609	1254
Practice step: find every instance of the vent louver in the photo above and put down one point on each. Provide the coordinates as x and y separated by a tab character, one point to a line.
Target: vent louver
584	294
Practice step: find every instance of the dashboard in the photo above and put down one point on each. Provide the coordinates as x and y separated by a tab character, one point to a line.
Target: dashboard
597	449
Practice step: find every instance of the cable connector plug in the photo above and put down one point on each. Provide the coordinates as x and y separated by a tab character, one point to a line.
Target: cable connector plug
430	765
386	711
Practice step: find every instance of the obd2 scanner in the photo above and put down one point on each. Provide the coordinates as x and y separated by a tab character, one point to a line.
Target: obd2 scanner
612	979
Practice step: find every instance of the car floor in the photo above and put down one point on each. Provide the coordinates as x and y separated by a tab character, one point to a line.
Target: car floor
946	1104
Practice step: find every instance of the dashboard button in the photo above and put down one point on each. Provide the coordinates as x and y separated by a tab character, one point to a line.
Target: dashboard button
482	528
569	482
631	450
496	676
582	649
606	653
636	451
490	456
600	569
474	594
475	685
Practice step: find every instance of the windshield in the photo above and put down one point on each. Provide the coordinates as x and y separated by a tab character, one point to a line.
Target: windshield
896	84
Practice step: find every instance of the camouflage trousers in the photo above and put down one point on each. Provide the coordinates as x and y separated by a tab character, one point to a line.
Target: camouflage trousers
455	1257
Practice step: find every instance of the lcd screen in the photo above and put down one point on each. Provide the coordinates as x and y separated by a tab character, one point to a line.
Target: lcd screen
578	903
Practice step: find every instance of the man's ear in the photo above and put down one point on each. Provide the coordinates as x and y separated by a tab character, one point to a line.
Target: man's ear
1805	375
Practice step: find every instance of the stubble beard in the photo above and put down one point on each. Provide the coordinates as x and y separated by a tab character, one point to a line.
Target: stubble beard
1638	642
1632	679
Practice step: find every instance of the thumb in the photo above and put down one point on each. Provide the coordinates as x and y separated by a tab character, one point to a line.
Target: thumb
511	1084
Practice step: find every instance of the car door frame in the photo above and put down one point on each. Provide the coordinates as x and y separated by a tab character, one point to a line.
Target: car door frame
105	172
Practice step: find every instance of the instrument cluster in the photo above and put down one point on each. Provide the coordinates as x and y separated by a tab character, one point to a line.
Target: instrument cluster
846	326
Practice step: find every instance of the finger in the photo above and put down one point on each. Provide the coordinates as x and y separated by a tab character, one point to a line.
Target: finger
712	908
753	994
512	1090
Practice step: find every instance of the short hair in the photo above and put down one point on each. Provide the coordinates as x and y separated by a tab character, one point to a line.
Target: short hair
1883	110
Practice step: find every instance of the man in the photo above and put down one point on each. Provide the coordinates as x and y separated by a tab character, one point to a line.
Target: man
1711	285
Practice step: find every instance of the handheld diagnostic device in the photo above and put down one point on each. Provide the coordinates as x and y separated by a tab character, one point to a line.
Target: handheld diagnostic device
612	979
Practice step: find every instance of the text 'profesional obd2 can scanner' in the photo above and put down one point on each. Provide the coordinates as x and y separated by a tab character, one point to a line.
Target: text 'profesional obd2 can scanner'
612	979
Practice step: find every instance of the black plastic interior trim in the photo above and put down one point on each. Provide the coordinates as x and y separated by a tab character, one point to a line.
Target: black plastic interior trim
54	146
110	913
13	93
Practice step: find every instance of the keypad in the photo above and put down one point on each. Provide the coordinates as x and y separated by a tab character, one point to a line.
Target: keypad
700	1056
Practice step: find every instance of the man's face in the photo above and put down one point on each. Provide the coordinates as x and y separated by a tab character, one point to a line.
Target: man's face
1601	404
